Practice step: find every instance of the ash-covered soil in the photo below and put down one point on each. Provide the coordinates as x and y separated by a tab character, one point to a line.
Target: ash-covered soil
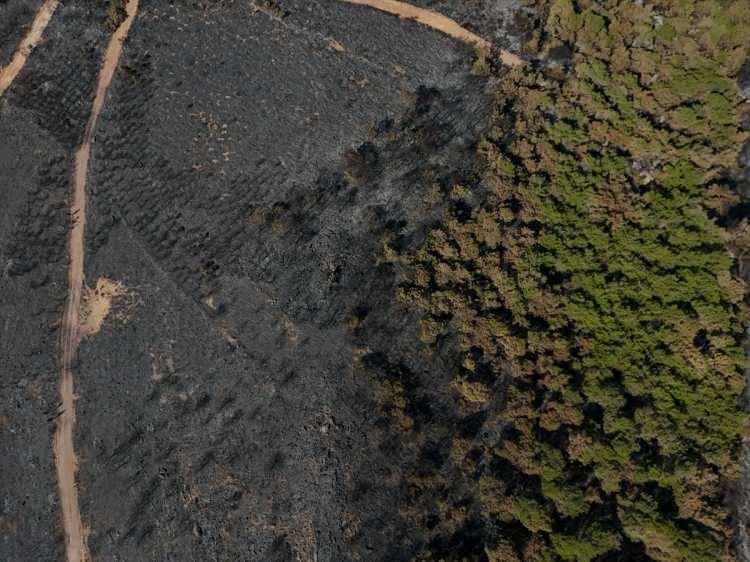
15	18
42	118
505	24
246	168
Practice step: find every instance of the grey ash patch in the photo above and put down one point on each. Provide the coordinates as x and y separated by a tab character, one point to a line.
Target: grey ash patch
743	79
498	21
254	442
41	117
15	19
243	176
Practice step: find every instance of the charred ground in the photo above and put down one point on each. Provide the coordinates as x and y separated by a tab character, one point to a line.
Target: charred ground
247	166
268	176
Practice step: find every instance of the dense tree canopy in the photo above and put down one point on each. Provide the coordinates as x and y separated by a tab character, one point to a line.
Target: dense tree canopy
597	285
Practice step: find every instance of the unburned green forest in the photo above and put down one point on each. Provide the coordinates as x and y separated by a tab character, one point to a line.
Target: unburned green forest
595	294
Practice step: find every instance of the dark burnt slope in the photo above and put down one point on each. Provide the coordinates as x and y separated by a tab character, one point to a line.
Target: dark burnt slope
15	17
244	174
42	118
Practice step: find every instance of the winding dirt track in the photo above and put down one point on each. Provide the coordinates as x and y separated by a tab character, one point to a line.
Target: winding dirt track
9	73
436	21
70	335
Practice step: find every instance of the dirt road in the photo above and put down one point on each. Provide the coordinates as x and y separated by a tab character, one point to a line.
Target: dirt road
436	21
65	458
9	73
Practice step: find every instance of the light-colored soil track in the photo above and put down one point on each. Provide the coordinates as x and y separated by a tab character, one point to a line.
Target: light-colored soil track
436	21
70	331
9	73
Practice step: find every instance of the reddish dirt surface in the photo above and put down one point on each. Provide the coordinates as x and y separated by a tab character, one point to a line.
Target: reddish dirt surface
9	73
65	457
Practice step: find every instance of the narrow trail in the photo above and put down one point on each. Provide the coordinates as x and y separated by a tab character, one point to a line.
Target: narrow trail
9	73
70	333
436	21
